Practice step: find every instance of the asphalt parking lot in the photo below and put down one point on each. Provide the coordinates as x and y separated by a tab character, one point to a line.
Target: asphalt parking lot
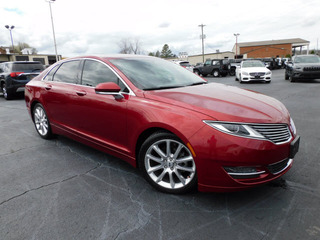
61	189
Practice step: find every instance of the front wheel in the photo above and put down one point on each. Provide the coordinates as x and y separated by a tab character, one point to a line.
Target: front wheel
216	73
167	163
291	78
286	76
41	121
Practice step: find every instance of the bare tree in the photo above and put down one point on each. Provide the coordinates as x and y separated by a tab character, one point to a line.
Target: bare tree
130	46
124	45
136	46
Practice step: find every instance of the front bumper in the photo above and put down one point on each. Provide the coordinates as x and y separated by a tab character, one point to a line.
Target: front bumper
248	78
230	163
306	74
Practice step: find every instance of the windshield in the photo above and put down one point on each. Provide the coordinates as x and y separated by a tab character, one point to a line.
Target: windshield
307	59
152	73
248	64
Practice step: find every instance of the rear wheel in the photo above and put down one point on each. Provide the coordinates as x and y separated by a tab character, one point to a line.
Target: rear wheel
197	72
167	163
6	94
41	121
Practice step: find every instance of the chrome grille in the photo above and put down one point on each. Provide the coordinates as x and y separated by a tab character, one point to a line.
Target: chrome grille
310	69
257	74
277	133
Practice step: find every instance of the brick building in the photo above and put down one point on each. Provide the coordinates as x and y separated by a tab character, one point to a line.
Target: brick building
271	48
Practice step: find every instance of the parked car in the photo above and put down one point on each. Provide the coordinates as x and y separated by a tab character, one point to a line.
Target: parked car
185	64
15	75
269	63
253	70
180	131
233	63
215	67
303	67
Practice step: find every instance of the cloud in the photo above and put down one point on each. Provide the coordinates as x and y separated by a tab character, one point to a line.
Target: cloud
164	25
14	10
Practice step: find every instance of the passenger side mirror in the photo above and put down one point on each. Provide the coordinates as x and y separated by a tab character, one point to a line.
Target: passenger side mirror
109	88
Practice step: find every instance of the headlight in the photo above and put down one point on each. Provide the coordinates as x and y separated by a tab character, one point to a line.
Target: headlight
245	73
237	129
268	73
293	126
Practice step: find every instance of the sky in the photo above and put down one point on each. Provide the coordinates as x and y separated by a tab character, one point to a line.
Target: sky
95	27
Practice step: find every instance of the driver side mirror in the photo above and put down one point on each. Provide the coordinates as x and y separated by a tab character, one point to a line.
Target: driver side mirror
109	88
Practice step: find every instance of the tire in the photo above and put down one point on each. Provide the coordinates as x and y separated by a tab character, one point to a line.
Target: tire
41	121
204	75
232	72
286	76
170	170
240	81
6	94
215	73
197	72
292	79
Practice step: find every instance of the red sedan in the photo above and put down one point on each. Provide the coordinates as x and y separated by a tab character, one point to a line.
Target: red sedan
180	131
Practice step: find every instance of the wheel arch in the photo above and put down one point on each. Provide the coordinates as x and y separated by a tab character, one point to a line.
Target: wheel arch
33	104
148	132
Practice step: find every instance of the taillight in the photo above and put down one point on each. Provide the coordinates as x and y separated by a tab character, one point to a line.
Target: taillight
15	74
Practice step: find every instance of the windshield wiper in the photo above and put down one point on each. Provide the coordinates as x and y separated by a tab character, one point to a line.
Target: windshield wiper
198	83
163	87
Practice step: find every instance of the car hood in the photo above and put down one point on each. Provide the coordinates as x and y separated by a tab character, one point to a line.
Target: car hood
301	65
224	103
255	69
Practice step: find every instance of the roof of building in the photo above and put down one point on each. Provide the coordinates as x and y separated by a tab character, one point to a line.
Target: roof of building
294	41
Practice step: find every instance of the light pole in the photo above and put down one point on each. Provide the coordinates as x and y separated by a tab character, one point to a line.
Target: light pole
236	35
54	36
10	29
202	37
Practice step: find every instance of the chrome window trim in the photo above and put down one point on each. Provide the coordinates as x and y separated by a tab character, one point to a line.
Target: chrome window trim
288	164
131	93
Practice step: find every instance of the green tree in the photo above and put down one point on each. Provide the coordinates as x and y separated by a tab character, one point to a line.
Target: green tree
166	52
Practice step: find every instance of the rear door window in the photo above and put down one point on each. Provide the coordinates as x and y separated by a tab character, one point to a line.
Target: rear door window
67	72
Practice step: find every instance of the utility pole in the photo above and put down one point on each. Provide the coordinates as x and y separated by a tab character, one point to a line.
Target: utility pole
236	35
54	36
202	37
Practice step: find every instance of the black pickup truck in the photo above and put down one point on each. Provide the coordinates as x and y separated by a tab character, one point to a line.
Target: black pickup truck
215	67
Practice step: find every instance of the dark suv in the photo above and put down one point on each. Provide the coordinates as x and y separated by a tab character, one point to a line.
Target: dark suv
215	67
15	75
303	67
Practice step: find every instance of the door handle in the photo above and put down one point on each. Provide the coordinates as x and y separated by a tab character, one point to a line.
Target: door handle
48	87
81	93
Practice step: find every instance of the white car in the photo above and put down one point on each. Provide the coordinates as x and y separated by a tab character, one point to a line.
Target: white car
185	64
253	70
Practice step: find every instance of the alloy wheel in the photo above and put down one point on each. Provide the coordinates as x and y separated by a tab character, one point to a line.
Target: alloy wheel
41	121
169	164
